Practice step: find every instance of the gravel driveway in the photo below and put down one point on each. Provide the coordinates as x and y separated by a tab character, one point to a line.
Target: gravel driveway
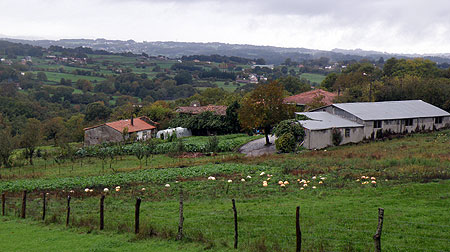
257	147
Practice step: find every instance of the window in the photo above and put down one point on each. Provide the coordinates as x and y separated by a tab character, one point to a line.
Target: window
438	120
347	132
409	122
377	124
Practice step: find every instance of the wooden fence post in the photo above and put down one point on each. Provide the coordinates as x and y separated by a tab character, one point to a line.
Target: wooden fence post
298	232
24	205
43	205
180	225
235	225
68	210
3	203
136	215
377	236
102	209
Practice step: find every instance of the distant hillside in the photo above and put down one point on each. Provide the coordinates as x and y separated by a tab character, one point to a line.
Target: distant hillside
271	54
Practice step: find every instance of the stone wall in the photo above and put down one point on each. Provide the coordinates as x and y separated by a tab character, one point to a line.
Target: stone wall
101	134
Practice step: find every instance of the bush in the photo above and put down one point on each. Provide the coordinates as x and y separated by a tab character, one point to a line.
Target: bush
213	144
337	137
172	137
292	127
179	147
286	143
379	134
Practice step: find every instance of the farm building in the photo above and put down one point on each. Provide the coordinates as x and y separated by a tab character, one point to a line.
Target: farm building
394	117
143	127
321	126
314	96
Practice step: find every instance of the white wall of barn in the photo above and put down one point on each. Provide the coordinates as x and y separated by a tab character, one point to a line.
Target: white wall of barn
399	126
319	139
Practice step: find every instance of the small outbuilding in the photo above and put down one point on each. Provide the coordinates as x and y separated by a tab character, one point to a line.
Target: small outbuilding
321	126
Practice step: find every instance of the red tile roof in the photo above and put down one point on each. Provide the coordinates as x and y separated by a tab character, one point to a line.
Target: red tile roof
217	109
139	124
308	97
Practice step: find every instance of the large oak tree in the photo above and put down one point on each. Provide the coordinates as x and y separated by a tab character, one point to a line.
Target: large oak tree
263	108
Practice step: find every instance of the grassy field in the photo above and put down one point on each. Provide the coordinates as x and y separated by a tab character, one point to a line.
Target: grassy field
56	77
230	87
338	208
332	219
313	78
27	235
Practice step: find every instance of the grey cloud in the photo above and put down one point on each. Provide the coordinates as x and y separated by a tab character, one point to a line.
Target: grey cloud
405	14
375	24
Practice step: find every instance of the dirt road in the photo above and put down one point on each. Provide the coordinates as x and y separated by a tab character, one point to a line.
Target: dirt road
257	147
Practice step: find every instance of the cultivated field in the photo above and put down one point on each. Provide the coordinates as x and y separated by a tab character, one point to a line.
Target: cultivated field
339	191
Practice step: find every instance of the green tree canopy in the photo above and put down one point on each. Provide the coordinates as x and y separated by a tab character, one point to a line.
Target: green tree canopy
97	111
294	85
264	107
31	137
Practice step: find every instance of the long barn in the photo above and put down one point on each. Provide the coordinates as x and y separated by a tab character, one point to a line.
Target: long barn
375	118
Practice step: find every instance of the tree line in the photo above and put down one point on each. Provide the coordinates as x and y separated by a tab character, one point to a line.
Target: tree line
398	79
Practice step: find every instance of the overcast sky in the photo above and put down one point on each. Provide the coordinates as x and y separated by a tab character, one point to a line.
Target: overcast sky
402	26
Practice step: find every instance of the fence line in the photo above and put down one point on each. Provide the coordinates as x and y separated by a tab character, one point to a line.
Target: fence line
48	205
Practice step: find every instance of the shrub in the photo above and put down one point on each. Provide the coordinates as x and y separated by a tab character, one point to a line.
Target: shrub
286	143
179	147
172	137
292	127
336	137
213	144
379	134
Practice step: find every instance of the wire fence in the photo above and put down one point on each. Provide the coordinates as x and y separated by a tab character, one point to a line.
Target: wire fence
265	228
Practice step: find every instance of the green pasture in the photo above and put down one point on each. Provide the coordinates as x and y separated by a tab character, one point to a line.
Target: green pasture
56	77
313	78
408	177
30	236
332	219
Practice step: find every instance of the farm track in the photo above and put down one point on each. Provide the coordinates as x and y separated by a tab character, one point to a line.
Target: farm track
258	147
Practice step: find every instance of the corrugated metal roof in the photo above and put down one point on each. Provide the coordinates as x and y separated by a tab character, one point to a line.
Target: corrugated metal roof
325	120
390	110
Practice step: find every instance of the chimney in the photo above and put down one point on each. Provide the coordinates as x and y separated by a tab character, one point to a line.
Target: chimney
132	122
